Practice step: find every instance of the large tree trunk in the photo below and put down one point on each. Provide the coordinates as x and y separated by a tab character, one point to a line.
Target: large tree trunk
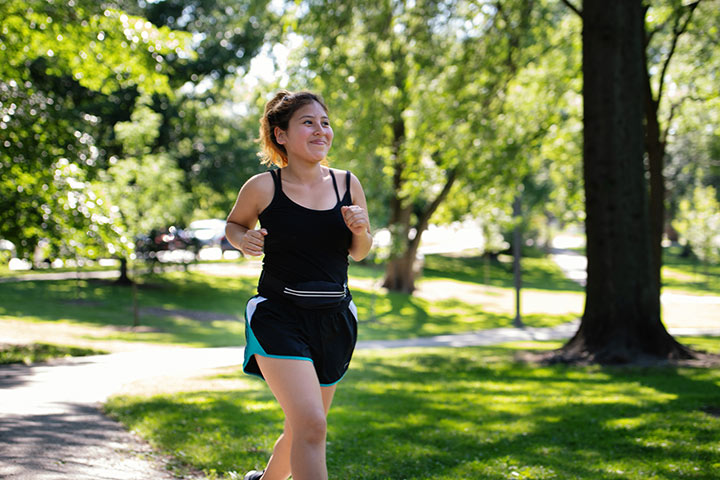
621	322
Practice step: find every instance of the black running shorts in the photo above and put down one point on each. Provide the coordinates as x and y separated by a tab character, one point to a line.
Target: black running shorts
279	329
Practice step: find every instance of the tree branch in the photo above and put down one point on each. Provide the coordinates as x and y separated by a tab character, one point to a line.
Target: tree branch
678	30
573	8
424	218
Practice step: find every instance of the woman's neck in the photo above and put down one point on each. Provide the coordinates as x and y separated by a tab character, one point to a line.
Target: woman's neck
304	173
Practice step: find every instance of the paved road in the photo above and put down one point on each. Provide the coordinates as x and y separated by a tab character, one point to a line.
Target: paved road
51	426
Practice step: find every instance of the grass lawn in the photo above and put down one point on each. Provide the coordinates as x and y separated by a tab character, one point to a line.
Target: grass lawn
198	309
40	352
468	413
688	275
456	294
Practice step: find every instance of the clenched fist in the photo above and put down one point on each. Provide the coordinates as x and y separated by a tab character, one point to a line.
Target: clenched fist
253	242
356	219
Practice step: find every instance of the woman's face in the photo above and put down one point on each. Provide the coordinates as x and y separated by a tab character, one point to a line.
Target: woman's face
309	134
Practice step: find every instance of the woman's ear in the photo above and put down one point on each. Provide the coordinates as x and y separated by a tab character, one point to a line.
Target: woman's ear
280	135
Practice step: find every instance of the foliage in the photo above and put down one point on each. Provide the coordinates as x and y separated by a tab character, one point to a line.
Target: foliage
689	106
698	221
144	189
442	107
72	71
62	69
481	415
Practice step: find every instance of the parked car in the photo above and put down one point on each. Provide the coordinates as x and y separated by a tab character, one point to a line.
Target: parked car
225	245
157	240
207	232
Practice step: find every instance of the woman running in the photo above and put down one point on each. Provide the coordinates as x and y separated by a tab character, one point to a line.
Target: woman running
301	327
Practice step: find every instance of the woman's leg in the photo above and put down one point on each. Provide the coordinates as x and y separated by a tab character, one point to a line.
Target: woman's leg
278	466
300	450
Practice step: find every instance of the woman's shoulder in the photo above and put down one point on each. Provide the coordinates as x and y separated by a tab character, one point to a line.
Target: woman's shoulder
341	174
261	181
260	186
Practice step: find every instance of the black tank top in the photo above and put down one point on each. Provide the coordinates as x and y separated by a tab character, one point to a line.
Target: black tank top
303	244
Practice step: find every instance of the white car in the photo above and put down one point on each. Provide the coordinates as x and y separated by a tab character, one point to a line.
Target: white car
208	232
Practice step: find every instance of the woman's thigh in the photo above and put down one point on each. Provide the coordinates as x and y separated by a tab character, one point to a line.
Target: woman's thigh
296	387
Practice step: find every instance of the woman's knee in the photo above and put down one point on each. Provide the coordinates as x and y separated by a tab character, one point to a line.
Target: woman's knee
311	428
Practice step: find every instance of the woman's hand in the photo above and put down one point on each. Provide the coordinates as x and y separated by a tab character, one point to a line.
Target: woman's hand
253	242
356	219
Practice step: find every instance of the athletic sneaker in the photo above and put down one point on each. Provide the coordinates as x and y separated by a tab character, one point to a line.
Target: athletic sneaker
253	475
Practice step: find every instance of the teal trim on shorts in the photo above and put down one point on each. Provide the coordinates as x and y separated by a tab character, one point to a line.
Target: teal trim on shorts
335	382
253	346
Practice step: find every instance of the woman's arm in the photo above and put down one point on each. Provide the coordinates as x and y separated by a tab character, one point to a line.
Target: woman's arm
357	220
254	196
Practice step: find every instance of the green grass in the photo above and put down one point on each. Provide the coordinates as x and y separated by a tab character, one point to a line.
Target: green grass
688	275
538	273
40	352
101	303
461	413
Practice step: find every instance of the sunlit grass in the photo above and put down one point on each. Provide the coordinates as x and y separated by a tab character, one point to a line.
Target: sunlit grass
537	272
461	413
171	304
40	352
192	295
689	275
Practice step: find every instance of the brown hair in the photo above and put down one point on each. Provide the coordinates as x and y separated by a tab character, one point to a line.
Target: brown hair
278	112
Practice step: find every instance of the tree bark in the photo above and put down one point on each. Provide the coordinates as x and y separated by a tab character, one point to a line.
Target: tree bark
621	322
124	279
402	266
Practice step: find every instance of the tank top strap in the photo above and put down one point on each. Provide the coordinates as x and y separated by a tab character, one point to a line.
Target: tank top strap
276	179
337	193
347	185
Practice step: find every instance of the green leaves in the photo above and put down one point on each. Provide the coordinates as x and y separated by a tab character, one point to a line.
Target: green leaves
698	221
103	50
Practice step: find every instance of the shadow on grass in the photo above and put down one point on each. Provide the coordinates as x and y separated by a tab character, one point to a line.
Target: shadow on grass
210	428
538	273
465	413
395	316
101	303
409	421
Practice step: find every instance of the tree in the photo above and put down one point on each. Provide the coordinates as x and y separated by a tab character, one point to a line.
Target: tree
144	189
62	70
416	89
621	322
679	16
70	73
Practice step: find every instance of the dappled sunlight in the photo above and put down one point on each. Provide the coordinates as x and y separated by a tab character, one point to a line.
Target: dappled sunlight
464	413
